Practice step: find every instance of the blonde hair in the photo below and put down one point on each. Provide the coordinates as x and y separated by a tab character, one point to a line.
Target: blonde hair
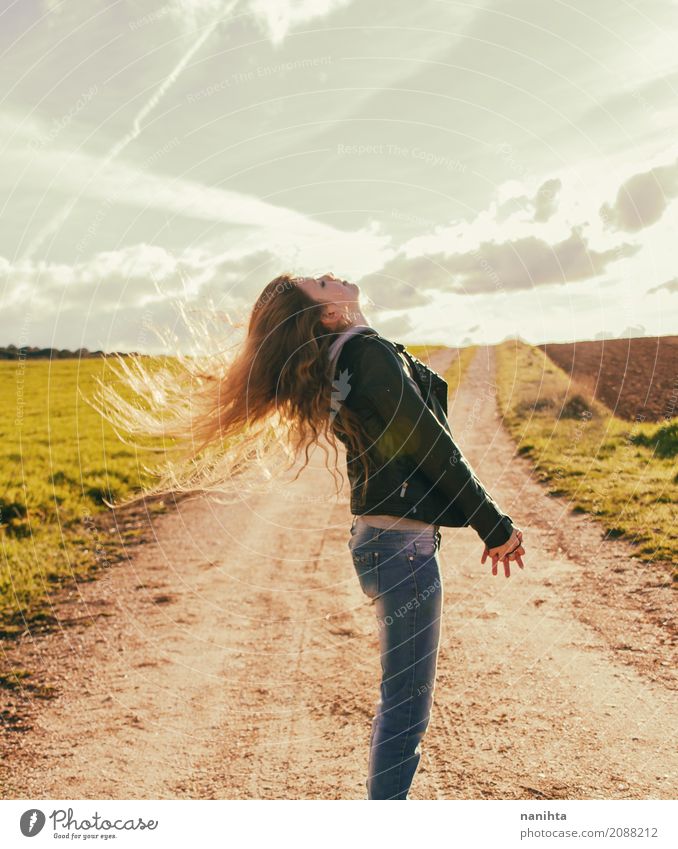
238	416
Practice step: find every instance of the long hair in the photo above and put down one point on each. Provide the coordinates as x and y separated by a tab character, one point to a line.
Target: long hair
226	418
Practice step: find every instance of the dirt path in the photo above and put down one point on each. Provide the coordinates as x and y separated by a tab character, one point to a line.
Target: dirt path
240	659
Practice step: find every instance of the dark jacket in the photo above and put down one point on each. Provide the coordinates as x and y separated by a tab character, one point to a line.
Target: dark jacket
416	469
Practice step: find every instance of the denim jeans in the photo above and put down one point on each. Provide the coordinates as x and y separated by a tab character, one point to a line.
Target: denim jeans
399	571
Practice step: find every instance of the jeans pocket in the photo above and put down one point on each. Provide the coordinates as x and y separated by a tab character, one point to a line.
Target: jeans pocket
426	547
366	564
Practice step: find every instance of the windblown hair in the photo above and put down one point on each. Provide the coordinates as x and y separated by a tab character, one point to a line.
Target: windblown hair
232	416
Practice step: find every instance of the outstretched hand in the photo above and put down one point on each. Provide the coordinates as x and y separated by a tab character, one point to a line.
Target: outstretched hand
510	550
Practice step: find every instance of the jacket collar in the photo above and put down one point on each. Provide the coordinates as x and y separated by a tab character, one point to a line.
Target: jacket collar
335	348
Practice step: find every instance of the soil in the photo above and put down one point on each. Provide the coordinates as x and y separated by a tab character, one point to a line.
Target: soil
233	656
636	378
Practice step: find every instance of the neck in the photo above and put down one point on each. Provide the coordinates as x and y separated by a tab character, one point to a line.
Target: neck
356	317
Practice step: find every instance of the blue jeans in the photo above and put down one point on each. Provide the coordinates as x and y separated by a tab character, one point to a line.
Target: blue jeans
399	571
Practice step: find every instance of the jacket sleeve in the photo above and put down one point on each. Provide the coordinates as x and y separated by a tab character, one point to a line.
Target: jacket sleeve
411	428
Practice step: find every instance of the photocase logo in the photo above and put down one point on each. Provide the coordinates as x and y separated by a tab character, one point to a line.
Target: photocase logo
31	822
340	390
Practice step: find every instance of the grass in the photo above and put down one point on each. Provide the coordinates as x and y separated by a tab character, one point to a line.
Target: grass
61	459
423	352
455	372
623	473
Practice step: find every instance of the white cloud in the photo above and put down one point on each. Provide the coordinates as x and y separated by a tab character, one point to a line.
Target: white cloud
279	16
642	199
538	209
293	236
77	301
194	11
275	17
669	286
78	304
493	267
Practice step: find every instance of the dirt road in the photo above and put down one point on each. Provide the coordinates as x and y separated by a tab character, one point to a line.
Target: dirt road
240	659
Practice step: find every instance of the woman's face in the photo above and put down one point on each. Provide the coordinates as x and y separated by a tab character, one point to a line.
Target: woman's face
329	289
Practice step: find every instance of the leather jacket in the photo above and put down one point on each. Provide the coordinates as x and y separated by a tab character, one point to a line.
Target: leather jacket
416	469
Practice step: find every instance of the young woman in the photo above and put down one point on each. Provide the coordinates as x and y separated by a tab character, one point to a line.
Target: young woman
416	480
311	369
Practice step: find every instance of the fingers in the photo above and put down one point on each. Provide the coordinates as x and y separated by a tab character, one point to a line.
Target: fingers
518	552
496	555
515	555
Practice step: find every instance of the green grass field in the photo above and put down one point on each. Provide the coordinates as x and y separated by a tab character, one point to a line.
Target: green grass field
623	473
59	460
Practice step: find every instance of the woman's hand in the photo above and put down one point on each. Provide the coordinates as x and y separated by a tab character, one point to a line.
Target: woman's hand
510	550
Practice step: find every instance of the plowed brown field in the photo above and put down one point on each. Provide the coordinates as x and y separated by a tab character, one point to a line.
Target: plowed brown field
636	378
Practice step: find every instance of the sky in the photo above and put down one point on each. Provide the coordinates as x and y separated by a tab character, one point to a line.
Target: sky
484	170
